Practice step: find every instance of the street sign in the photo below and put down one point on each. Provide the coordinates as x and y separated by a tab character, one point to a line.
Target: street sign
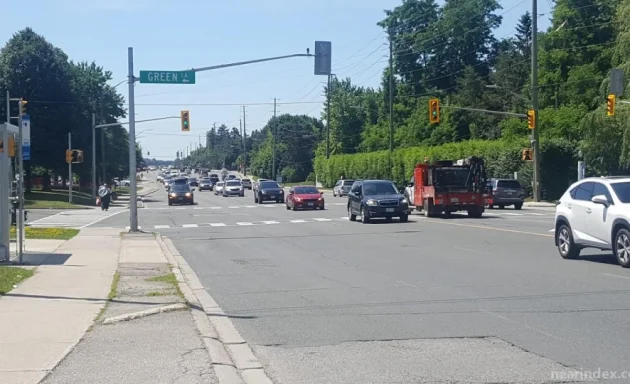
616	82
26	137
167	77
323	58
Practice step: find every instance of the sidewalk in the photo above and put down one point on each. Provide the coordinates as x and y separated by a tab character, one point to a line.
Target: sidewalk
42	319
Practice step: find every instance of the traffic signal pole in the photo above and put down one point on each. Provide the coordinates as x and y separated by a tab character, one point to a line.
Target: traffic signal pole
70	169
133	188
535	131
94	157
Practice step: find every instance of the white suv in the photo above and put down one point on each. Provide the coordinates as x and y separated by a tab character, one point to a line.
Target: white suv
595	213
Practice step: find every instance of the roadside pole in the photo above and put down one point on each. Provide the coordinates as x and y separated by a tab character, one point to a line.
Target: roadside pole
20	184
93	157
133	193
70	170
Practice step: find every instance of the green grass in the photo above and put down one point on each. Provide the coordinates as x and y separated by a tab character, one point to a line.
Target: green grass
10	276
46	233
113	290
56	199
169	279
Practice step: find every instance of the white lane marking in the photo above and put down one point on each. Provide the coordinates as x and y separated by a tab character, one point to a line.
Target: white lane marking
217	224
244	223
180	208
161	226
215	207
199	208
521	324
510	214
537	214
298	221
321	219
271	222
339	203
344	218
612	274
128	227
552	230
234	206
190	225
250	206
102	218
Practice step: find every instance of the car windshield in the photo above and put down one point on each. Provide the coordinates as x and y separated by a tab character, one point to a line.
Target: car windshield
306	190
180	181
451	177
622	190
220	184
192	179
245	180
513	184
370	189
348	183
233	183
180	188
269	184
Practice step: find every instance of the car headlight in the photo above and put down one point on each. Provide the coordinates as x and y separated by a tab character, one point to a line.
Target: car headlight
188	194
172	195
297	199
372	202
403	201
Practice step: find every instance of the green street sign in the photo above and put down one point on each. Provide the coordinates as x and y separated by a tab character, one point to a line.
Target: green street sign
167	77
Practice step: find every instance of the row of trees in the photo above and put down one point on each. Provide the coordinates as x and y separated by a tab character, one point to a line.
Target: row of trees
451	52
62	95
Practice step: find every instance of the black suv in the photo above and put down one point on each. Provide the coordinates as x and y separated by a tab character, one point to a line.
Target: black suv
376	199
268	190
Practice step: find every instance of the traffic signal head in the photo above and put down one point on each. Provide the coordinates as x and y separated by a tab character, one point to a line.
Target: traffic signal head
527	154
434	111
68	156
74	156
79	156
611	100
531	119
23	105
185	118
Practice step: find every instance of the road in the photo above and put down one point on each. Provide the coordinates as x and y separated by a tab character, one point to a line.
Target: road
321	299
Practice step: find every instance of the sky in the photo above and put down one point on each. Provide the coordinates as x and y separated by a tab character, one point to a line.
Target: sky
179	35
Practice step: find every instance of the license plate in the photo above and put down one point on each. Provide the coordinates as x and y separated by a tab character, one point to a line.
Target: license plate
455	200
180	198
272	197
389	209
310	204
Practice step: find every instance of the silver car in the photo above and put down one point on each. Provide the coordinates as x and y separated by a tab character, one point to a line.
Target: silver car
247	183
342	187
218	187
233	188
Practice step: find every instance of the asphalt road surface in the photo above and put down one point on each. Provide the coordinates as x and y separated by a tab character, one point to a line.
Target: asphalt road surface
321	299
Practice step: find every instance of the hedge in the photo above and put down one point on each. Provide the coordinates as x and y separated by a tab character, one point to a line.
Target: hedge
503	158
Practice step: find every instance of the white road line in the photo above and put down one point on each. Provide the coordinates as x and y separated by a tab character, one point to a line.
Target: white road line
298	221
234	206
161	226
552	230
271	222
180	208
128	227
344	218
339	203
510	214
244	223
215	207
217	224
321	219
250	206
199	208
190	225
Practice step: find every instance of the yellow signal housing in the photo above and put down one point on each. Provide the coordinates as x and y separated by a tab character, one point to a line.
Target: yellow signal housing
531	119
434	111
11	146
527	154
185	120
611	100
68	156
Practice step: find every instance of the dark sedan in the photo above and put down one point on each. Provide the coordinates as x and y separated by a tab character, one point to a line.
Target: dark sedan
181	194
205	184
372	199
268	191
193	182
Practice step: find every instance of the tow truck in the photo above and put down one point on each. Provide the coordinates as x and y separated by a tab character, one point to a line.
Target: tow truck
443	187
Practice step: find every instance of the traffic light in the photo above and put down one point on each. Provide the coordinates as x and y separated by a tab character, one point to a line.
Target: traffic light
23	106
434	111
11	146
527	154
74	156
185	117
531	119
611	100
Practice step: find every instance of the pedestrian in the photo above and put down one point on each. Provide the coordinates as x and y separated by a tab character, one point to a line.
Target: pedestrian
105	193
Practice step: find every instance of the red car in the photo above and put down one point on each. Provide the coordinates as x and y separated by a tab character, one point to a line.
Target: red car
305	197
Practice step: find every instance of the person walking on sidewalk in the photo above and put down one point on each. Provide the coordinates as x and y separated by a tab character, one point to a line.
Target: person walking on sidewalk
105	193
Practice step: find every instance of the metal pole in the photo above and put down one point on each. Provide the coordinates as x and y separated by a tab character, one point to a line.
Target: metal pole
8	108
103	176
391	104
70	170
133	192
328	97
93	156
273	146
535	133
20	185
244	144
5	220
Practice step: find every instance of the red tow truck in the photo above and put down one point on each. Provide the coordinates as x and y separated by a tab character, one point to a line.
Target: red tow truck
447	186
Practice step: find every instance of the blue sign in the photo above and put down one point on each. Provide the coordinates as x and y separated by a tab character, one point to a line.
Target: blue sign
26	137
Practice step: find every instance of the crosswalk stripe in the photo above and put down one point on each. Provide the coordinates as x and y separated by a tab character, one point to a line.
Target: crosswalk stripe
271	222
244	223
217	224
321	219
190	225
162	226
298	221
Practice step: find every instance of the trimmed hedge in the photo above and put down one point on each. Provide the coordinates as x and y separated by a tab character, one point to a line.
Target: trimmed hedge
503	158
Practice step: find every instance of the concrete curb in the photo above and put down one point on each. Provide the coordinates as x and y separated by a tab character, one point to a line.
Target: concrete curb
145	313
233	360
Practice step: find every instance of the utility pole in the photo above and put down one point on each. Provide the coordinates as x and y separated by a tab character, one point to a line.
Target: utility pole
20	184
535	131
273	146
93	156
103	165
133	189
391	103
70	170
244	144
328	96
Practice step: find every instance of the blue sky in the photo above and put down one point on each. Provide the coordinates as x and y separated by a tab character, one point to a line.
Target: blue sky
177	35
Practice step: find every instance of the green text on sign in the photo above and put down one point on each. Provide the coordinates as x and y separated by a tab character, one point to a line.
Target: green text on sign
167	77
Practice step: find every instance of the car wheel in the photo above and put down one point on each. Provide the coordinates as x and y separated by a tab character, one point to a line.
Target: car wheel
365	219
351	216
566	247
192	202
622	247
334	195
288	208
169	203
404	218
518	206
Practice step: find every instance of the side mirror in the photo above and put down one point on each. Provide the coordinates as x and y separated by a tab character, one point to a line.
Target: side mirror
291	192
321	193
410	185
192	190
600	199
